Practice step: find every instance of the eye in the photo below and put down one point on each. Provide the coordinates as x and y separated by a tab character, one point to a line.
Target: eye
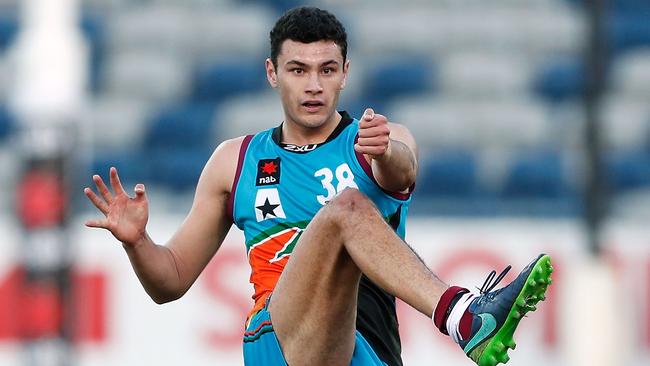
297	71
327	70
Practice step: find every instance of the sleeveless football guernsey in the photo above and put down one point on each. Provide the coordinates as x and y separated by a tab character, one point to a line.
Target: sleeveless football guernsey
280	187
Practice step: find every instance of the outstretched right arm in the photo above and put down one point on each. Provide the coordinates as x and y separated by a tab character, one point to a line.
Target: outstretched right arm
167	271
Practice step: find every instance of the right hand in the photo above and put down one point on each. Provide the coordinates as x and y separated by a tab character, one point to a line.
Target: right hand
125	217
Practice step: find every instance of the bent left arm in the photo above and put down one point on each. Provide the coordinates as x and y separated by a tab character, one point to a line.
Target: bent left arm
391	150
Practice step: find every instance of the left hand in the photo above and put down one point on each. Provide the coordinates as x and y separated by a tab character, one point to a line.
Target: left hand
374	135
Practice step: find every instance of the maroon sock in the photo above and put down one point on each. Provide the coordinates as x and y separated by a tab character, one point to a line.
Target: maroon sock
446	303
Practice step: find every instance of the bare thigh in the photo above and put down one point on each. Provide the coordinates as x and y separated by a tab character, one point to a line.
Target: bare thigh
314	304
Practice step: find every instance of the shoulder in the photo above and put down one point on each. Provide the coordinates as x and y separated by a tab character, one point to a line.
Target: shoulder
230	147
221	168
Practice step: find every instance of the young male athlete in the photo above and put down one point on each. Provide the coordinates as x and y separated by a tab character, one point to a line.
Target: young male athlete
322	201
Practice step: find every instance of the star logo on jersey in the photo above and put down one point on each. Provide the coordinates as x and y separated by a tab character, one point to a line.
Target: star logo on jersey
267	209
268	205
268	172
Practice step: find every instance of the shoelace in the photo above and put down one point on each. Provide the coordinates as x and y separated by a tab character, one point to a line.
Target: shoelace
491	282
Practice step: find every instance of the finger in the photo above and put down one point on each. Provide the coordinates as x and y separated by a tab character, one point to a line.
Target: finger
115	181
370	150
365	124
103	190
374	131
98	202
373	141
99	224
376	120
140	193
368	114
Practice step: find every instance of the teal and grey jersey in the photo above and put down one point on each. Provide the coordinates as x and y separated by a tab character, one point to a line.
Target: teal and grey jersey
280	187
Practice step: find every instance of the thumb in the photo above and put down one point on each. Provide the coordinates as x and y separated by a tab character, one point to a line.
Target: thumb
368	115
139	191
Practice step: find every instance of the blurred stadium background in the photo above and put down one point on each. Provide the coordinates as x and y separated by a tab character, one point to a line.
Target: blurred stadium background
511	102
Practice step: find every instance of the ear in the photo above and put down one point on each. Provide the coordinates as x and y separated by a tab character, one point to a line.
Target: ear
271	74
346	68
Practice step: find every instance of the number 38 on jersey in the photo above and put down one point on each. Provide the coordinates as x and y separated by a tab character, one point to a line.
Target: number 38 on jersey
344	179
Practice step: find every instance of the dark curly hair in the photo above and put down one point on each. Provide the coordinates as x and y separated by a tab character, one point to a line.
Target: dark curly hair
307	24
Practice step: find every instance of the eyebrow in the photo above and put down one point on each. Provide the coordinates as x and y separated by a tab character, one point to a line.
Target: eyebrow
302	64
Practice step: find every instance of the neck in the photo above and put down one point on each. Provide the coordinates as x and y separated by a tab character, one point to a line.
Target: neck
293	133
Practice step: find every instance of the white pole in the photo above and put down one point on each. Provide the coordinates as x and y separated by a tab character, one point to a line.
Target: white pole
49	63
593	320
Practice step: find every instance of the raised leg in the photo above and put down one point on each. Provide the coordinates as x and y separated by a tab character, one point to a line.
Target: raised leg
313	306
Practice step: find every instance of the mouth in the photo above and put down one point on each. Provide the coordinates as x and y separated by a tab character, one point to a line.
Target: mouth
313	105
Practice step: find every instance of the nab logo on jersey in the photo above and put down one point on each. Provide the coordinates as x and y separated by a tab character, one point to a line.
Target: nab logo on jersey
268	172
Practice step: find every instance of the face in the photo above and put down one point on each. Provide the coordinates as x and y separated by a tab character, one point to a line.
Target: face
309	77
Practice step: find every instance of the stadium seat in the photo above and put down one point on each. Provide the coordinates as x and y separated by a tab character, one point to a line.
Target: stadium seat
164	29
630	75
397	78
555	30
178	143
483	74
106	5
619	5
247	114
6	123
214	83
198	33
625	122
132	165
5	75
627	23
631	6
202	4
629	30
525	30
279	6
448	174
566	130
8	29
561	80
356	107
423	25
240	31
93	29
513	123
536	175
125	117
178	169
146	75
484	29
180	127
435	122
628	170
473	123
535	4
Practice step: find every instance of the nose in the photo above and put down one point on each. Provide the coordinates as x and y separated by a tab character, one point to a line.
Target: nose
313	84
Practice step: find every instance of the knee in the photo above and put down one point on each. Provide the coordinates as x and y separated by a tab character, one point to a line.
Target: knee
346	212
350	201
